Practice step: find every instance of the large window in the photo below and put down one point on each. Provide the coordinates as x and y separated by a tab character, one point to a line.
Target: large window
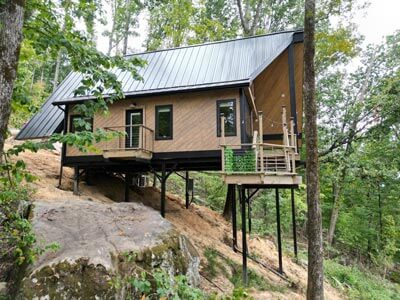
79	123
164	122
226	108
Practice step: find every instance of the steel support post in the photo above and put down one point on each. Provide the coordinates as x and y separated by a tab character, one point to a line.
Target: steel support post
294	223
244	238
278	227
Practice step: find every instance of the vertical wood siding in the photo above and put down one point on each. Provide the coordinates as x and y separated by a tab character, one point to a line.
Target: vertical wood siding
194	120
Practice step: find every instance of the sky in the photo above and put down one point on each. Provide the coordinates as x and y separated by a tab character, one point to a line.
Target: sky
379	19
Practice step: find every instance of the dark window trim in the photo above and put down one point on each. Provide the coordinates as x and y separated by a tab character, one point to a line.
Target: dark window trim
219	117
160	138
71	120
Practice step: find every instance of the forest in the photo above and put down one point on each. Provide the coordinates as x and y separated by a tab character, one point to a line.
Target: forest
358	115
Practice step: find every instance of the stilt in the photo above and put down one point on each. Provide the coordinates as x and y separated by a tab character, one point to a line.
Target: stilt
294	223
249	210
163	188
278	226
76	181
61	175
187	203
154	179
244	241
232	190
128	180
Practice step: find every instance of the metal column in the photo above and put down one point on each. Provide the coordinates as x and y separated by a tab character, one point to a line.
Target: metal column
187	203
294	223
232	190
76	181
278	227
128	179
244	241
163	187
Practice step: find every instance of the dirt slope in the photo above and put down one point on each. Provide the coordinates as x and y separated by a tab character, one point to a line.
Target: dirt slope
206	228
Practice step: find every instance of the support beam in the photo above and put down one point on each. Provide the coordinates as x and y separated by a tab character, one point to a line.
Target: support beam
64	146
278	227
294	223
249	210
187	202
163	189
232	189
128	180
242	194
76	181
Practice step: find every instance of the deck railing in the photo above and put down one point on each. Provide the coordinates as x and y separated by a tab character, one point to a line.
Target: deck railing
260	157
131	137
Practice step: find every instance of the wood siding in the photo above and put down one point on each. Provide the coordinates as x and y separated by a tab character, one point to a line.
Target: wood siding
194	120
271	91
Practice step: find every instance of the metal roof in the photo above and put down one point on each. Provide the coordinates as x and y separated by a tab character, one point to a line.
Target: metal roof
205	66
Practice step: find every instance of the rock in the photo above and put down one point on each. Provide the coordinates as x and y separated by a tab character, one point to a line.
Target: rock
3	290
100	242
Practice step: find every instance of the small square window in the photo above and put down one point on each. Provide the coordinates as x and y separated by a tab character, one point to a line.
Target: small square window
78	123
226	108
164	122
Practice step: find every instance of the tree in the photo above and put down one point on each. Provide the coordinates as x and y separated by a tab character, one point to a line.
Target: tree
11	22
214	20
249	18
315	283
124	14
170	23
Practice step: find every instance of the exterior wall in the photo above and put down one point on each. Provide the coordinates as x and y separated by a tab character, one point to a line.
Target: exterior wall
194	120
271	91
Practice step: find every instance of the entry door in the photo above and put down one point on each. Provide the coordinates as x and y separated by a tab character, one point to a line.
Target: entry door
134	118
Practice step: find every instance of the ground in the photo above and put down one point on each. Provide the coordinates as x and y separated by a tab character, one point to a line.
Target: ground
207	229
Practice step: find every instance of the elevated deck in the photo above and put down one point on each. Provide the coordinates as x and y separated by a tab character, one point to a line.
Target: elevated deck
260	163
130	142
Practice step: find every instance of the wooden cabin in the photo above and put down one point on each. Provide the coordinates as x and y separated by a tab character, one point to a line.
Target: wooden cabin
172	119
231	106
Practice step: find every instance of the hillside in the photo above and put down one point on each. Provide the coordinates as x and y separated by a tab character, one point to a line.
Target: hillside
209	232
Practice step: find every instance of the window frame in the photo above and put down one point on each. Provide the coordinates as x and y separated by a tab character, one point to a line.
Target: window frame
71	123
219	102
171	123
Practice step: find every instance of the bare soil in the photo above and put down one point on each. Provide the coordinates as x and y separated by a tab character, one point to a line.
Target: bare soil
206	228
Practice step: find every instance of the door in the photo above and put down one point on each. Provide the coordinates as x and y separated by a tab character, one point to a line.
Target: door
134	118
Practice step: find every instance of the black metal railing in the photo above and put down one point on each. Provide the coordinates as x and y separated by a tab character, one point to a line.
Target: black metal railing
131	137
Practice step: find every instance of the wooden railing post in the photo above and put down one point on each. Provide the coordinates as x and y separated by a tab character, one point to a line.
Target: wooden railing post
255	147
222	125
261	140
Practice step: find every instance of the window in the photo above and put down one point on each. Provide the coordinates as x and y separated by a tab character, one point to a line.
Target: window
78	123
164	122
226	108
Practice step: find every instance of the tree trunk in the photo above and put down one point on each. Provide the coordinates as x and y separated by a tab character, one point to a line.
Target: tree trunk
249	30
111	36
315	283
11	21
334	213
126	27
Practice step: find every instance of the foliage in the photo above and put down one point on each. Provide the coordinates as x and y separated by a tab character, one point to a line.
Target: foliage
243	162
16	234
157	285
359	284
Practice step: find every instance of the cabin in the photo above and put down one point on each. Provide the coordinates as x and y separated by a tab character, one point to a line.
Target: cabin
232	106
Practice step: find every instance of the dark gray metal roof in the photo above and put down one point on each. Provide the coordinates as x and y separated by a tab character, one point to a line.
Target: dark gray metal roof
205	66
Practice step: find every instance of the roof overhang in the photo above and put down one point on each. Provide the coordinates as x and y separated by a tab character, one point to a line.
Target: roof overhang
186	89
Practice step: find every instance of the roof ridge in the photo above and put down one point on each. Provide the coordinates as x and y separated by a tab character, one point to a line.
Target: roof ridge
216	42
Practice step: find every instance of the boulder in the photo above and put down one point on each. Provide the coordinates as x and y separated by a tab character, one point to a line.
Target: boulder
98	243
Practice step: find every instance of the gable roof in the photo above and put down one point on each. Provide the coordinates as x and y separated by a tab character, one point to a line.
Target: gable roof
231	63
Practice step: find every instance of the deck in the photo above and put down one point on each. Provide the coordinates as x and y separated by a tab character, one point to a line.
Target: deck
260	163
129	142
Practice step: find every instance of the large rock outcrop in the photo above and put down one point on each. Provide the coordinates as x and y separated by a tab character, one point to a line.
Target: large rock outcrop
96	244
